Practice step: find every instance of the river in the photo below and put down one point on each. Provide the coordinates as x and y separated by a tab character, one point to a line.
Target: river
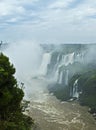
51	114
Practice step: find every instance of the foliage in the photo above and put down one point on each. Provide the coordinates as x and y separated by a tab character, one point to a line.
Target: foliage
61	92
88	96
87	85
11	117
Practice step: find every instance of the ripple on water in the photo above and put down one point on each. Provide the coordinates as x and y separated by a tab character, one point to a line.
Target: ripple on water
51	114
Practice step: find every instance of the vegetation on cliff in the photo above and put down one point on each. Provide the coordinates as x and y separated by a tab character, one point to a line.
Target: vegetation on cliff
86	87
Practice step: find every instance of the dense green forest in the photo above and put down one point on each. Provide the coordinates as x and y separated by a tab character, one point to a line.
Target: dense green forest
11	116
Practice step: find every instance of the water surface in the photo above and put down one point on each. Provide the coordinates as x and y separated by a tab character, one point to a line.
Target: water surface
51	114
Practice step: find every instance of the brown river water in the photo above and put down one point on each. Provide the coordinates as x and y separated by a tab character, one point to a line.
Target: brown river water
51	114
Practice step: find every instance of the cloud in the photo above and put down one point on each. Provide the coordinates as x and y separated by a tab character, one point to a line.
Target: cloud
10	8
48	21
61	4
15	10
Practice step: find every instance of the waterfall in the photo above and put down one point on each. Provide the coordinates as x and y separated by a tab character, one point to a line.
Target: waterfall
60	77
79	57
67	59
45	62
56	75
64	74
58	58
56	69
63	77
75	89
70	58
56	66
66	78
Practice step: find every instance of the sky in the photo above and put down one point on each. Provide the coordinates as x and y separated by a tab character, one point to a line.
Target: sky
48	21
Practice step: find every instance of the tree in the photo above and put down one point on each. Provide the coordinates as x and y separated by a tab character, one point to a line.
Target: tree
10	98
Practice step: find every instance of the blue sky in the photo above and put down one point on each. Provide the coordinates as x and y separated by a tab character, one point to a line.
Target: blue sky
48	21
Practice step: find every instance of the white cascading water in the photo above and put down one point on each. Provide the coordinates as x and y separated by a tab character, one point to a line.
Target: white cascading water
67	59
56	69
75	89
80	57
63	77
45	61
60	77
56	76
67	77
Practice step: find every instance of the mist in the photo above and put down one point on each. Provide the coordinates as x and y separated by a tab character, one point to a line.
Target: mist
26	58
91	54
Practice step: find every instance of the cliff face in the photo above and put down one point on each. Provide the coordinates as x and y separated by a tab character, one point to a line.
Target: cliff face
73	71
